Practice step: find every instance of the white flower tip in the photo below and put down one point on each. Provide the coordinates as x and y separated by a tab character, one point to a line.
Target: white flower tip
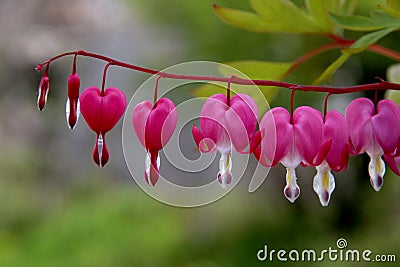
376	169
324	185
224	179
292	193
377	183
225	167
151	171
291	190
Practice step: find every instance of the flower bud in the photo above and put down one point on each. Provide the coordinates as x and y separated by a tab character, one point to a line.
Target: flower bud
43	92
72	108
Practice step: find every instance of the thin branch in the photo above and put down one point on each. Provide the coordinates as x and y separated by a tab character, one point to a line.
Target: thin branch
312	54
382	85
384	51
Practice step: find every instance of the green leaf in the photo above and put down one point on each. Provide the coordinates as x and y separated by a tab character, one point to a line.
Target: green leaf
330	71
284	16
360	45
378	20
278	16
348	7
254	70
320	11
369	39
241	19
392	7
393	75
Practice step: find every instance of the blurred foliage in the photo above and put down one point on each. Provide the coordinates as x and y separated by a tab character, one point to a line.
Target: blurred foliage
59	210
393	75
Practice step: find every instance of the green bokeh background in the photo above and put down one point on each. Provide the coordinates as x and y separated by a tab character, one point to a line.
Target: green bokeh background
58	209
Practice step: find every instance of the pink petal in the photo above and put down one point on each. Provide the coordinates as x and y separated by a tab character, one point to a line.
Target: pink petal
213	122
204	144
139	118
114	104
278	141
358	118
308	133
241	121
386	125
261	157
393	162
323	151
90	107
256	140
102	112
160	124
335	128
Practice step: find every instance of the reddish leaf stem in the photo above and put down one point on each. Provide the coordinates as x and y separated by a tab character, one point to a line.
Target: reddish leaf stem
312	54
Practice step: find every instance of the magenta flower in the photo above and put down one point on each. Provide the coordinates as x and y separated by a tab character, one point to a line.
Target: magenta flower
101	112
72	107
376	132
335	130
292	142
154	126
223	126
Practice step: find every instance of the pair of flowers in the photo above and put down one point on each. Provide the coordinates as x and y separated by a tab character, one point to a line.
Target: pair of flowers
224	123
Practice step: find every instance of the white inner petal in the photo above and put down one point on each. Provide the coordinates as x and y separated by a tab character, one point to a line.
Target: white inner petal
376	169
291	190
324	183
225	169
100	145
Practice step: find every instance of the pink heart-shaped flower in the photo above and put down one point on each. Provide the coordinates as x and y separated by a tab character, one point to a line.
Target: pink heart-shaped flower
154	126
102	111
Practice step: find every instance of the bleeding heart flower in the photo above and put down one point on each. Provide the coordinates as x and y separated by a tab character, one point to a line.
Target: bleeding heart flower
224	125
292	142
72	107
101	112
43	91
335	129
154	126
376	132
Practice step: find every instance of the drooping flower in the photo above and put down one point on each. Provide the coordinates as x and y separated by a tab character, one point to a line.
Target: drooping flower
102	111
335	129
43	91
375	131
154	126
223	126
292	142
72	107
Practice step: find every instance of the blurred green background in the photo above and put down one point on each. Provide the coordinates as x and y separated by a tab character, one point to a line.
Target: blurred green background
58	209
